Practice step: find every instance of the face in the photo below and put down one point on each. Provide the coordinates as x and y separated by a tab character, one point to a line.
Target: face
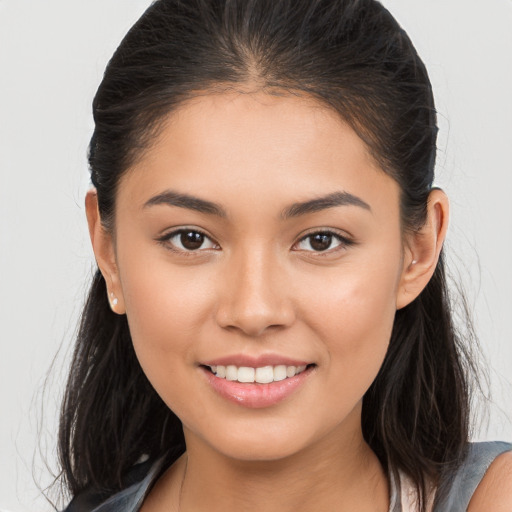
258	240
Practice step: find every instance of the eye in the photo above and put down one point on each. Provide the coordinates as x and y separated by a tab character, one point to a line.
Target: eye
188	240
322	241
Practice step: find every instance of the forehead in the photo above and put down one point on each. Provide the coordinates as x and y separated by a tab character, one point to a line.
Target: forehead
225	122
286	147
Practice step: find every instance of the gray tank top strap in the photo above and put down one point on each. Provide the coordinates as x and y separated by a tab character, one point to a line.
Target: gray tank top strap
463	482
395	504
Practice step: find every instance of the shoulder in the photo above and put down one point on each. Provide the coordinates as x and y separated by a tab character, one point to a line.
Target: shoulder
495	487
136	484
484	475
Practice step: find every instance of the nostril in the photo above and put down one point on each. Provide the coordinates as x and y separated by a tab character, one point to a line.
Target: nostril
254	319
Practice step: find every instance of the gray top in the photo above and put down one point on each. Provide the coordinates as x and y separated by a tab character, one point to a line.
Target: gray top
460	485
463	482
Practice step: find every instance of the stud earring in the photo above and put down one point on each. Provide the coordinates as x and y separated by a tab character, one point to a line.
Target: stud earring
413	262
113	299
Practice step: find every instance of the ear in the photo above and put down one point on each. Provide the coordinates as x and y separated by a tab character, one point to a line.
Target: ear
104	251
422	249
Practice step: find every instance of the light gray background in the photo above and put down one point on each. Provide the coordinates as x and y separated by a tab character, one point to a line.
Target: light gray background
52	55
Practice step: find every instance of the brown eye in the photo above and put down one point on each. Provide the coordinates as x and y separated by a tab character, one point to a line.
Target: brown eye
188	240
322	241
191	240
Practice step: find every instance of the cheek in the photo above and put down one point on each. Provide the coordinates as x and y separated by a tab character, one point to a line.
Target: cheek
353	316
166	308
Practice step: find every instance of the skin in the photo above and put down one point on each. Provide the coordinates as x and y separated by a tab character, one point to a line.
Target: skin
255	287
495	488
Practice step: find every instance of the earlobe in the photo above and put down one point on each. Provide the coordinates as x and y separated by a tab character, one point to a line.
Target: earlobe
423	248
104	252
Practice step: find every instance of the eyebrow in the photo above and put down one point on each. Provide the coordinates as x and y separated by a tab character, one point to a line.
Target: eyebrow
172	198
323	203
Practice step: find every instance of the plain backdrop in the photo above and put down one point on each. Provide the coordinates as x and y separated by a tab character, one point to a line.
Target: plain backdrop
52	55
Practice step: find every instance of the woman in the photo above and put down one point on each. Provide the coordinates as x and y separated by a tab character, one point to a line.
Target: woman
269	327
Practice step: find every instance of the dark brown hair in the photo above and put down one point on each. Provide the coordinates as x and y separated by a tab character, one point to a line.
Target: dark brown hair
350	55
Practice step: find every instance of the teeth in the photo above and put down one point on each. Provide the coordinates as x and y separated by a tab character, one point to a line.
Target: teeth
280	372
262	375
246	374
231	372
291	371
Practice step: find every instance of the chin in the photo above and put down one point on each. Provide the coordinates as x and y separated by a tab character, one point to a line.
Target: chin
264	442
261	450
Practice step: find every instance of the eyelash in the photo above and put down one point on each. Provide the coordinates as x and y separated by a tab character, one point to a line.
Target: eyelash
344	241
165	240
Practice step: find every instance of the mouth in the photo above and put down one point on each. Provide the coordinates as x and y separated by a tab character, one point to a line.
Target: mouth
257	386
260	375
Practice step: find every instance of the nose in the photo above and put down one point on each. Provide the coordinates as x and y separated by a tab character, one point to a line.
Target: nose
254	295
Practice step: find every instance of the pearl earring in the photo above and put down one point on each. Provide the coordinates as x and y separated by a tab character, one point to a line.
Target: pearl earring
113	299
413	262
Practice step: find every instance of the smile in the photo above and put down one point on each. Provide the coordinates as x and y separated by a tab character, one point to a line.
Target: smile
257	382
260	375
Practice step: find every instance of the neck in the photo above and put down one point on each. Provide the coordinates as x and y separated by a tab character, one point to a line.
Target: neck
340	472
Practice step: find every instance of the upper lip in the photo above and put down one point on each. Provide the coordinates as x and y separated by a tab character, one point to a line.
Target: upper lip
255	362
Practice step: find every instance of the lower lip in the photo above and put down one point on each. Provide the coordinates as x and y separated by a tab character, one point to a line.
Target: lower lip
254	395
